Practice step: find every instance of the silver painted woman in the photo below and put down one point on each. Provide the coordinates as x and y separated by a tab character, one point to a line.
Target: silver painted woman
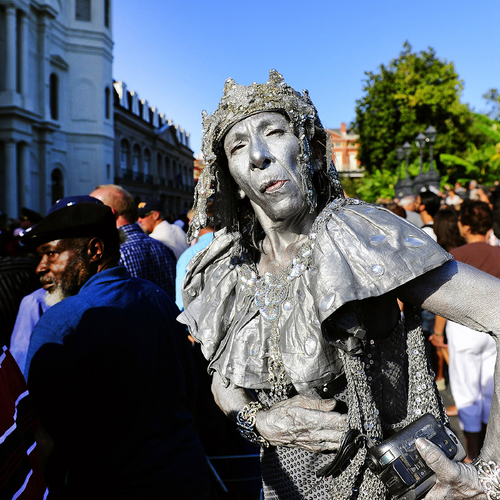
294	303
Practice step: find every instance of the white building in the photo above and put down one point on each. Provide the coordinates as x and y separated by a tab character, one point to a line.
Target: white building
56	101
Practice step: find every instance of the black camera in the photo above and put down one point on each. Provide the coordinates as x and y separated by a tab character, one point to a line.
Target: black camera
399	465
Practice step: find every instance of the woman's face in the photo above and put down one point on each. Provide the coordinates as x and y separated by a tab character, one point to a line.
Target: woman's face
262	153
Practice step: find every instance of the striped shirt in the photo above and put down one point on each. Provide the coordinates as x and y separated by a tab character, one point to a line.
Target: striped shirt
147	258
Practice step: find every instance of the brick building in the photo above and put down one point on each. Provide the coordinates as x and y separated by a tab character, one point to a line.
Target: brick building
345	148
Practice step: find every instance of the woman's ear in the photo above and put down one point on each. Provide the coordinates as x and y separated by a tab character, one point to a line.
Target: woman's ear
241	194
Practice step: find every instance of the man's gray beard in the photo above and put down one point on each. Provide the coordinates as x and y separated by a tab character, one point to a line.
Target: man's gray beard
53	298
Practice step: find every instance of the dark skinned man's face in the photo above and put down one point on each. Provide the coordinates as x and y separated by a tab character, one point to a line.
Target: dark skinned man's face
63	268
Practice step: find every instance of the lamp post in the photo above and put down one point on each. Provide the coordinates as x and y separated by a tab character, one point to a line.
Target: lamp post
430	178
433	177
404	187
406	150
430	134
420	141
399	155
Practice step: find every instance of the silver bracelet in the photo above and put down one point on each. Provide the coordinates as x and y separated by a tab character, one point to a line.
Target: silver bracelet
245	420
489	477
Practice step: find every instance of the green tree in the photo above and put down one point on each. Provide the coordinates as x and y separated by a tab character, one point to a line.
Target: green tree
480	163
405	97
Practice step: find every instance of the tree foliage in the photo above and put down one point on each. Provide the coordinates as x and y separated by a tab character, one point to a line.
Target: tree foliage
481	163
492	97
405	97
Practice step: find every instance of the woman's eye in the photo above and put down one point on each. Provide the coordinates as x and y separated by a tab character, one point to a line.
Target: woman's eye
276	131
236	147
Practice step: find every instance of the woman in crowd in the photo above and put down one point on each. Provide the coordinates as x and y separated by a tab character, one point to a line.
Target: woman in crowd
295	303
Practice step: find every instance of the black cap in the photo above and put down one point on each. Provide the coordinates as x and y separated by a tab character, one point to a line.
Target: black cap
74	221
149	206
31	215
71	200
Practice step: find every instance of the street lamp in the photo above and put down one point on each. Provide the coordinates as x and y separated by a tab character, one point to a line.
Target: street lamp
406	149
403	187
399	155
431	138
420	141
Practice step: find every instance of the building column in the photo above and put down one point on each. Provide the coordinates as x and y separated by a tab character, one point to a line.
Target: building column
24	183
11	188
23	88
11	55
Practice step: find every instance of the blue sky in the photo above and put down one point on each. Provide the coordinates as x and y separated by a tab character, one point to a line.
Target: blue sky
177	55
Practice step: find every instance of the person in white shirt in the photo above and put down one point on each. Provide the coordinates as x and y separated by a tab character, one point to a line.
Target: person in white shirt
428	205
152	221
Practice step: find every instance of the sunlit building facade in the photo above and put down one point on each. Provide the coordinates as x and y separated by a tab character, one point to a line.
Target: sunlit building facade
56	117
65	125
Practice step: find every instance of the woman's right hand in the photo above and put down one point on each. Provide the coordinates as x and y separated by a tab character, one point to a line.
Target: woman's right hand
303	422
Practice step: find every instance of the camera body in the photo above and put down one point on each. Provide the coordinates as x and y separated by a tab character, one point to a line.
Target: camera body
400	466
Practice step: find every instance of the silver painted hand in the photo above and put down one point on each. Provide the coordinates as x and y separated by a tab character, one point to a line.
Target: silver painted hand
455	480
303	422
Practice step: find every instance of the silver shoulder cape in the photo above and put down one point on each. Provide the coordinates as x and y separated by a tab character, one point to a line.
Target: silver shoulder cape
357	251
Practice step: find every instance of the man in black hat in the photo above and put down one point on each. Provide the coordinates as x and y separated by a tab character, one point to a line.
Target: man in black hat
108	370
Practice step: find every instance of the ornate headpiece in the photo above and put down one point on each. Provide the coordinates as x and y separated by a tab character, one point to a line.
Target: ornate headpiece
239	102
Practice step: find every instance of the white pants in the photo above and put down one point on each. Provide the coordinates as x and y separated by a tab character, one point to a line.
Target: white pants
472	363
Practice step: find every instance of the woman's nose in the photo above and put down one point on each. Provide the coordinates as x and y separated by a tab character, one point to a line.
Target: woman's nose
260	157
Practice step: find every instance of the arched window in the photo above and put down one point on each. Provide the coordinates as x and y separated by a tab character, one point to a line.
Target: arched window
107	103
168	173
54	96
136	159
177	174
57	185
147	161
159	165
124	155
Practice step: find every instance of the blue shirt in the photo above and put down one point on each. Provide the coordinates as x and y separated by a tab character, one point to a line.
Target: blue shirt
110	376
147	258
203	242
30	310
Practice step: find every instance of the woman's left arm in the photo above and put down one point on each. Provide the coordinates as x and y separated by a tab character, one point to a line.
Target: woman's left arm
470	297
460	293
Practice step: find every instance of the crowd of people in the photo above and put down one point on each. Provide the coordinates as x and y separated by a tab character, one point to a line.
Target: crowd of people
305	303
461	220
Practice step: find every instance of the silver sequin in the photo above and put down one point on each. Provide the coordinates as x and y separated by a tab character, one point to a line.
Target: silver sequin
377	240
414	242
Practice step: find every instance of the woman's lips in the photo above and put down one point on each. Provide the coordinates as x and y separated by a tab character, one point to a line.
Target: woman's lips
275	186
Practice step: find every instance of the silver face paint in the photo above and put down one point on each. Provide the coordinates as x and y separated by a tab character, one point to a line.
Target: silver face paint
262	153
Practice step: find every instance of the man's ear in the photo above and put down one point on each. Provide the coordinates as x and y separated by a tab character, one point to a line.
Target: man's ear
95	249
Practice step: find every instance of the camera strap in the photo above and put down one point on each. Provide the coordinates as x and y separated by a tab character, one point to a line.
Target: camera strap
351	443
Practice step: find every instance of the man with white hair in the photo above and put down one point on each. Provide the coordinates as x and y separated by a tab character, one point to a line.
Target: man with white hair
409	203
